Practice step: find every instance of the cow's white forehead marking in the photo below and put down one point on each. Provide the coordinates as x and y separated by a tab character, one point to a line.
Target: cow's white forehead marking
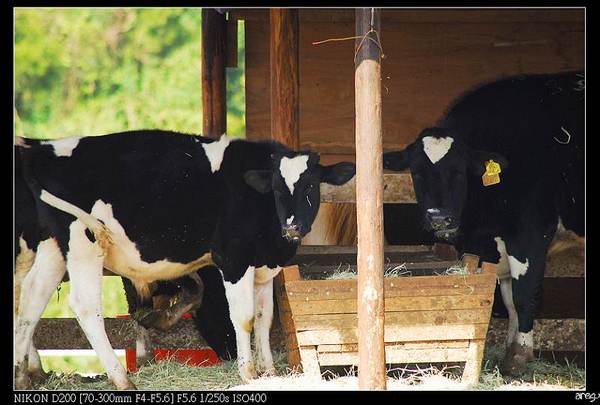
436	148
292	168
63	147
289	220
215	151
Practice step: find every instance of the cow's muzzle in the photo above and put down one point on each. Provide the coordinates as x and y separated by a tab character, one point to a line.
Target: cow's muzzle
440	220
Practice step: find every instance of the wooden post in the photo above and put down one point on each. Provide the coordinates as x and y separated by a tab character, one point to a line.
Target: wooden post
232	42
285	106
214	96
369	204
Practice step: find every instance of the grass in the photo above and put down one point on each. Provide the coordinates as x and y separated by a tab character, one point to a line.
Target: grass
170	375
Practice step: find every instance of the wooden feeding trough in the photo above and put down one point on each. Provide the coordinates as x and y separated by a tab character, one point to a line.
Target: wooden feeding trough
428	318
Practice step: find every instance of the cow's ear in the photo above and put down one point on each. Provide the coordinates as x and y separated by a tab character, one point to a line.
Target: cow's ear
398	161
478	158
260	180
338	173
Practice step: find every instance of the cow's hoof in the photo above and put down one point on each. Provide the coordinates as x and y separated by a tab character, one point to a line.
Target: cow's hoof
125	385
38	376
515	360
23	383
145	360
22	380
247	373
130	387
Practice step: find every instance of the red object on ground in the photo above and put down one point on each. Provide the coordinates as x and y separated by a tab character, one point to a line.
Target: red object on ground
192	357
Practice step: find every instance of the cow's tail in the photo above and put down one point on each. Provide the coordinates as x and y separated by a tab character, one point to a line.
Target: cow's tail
102	234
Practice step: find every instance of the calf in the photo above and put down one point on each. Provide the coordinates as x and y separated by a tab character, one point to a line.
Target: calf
531	128
156	205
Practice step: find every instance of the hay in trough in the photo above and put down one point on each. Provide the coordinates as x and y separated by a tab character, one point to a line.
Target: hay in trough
346	272
170	375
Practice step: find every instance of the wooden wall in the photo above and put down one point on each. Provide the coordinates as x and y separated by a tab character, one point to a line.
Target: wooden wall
431	57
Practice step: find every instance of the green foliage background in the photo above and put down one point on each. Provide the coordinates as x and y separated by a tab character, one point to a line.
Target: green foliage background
93	71
86	72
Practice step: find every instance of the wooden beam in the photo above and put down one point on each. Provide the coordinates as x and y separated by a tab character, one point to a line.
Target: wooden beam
397	188
369	204
214	96
285	102
417	16
232	42
65	333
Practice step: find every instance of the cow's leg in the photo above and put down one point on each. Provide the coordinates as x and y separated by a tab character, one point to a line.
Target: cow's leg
84	264
527	260
513	318
240	296
504	276
38	285
263	316
35	369
23	264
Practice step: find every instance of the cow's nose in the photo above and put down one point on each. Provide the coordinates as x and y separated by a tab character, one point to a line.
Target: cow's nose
439	220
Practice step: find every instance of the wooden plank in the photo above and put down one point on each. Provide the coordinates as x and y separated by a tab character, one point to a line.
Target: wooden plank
337	250
397	188
489	268
470	262
214	98
393	304
231	60
445	251
398	356
314	290
415	15
65	334
458	289
395	333
557	335
472	369
548	334
285	316
290	273
310	361
351	347
285	79
339	321
416	72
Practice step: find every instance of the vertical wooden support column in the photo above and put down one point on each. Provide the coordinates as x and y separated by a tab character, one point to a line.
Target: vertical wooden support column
369	204
285	105
214	96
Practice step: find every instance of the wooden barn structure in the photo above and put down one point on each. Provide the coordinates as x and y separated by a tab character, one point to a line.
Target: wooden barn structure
302	89
301	92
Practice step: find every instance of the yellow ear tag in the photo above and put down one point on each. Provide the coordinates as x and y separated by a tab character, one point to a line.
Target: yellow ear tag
492	173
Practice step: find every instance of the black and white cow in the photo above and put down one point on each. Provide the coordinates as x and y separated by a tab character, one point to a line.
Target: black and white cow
27	237
533	127
154	205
